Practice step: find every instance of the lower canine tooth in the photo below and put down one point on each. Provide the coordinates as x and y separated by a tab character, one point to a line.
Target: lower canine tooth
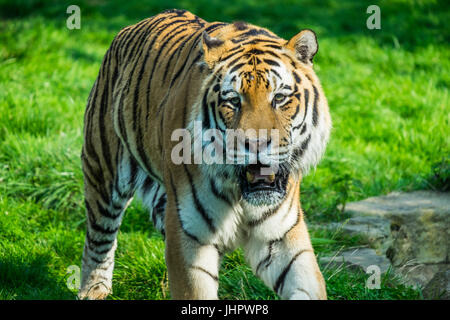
250	176
272	177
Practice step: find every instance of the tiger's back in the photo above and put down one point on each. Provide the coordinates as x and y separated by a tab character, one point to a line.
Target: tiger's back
125	104
132	84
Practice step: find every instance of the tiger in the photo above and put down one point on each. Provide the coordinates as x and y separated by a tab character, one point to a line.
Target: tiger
173	70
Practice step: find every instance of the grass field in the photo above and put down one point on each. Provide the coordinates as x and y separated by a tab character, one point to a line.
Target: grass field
387	90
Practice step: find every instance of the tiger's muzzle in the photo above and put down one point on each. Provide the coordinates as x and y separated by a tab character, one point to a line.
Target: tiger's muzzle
263	185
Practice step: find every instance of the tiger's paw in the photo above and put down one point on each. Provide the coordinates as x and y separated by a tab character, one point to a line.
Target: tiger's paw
300	295
96	291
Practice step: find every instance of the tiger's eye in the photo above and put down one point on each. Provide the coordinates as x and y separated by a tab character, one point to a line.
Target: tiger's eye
235	101
278	97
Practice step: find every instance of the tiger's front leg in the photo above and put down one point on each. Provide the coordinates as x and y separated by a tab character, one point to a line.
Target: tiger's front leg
283	256
192	265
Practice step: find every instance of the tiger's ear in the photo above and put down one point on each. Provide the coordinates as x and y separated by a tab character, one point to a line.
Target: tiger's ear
305	46
212	48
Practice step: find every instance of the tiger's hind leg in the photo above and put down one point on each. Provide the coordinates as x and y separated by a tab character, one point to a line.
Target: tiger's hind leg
106	198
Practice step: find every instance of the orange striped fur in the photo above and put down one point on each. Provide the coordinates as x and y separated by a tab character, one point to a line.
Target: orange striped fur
163	74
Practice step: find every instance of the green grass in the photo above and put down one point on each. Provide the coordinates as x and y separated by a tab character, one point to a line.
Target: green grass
387	90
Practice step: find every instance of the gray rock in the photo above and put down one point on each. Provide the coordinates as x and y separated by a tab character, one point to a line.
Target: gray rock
439	286
357	259
419	275
375	229
411	229
419	224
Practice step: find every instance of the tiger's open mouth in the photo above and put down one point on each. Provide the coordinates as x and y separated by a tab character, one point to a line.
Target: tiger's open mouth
259	183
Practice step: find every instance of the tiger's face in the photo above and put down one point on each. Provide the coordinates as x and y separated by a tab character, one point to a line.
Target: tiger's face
264	88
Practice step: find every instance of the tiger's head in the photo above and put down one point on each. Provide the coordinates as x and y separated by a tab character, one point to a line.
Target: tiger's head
265	88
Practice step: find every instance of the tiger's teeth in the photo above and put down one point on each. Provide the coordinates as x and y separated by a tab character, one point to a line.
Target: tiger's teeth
250	177
271	177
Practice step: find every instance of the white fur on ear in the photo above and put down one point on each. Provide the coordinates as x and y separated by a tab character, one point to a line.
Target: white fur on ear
304	45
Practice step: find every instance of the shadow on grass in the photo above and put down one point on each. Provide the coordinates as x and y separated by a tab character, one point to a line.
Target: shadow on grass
406	23
28	278
81	55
